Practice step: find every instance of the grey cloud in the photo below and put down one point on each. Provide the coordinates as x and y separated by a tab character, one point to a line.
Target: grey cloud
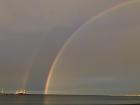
38	28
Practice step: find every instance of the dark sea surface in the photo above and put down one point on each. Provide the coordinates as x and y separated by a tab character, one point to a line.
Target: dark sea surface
67	100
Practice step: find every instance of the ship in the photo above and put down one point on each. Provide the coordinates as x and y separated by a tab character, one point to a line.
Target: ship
21	92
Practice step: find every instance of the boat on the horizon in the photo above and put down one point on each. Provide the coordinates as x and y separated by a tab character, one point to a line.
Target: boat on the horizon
21	92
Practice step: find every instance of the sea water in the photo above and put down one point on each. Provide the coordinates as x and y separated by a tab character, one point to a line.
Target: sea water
67	100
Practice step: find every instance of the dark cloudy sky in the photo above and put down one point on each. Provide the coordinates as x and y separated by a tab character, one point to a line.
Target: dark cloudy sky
33	31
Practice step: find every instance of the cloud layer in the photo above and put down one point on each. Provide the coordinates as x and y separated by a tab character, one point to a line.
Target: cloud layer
33	31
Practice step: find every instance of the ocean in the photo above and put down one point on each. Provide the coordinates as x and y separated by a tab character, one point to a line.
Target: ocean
67	100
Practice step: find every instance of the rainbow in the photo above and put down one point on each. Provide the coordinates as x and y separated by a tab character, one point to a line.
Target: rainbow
93	19
29	65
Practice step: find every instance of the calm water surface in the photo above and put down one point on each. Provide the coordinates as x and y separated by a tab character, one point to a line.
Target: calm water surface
66	100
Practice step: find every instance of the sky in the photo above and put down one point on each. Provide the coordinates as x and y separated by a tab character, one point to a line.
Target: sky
102	56
32	32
